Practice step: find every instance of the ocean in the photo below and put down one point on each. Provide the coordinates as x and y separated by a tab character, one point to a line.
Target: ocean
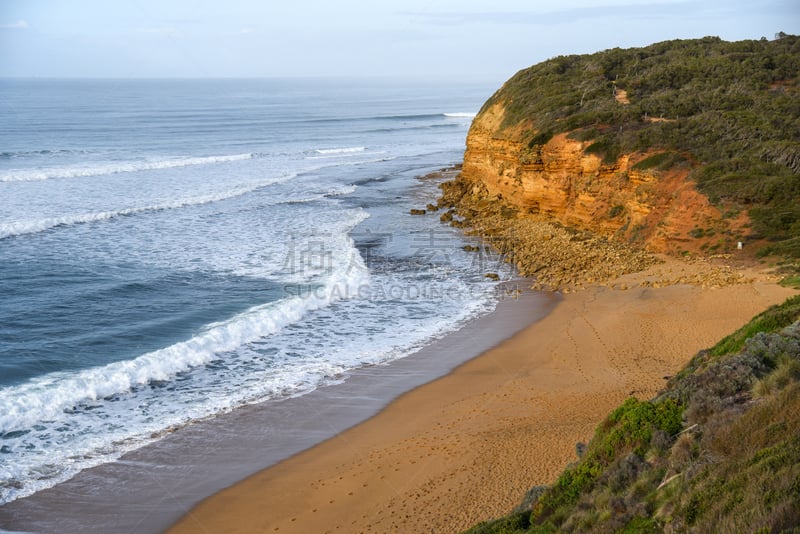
173	250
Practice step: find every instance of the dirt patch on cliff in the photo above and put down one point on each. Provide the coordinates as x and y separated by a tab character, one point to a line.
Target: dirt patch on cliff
621	96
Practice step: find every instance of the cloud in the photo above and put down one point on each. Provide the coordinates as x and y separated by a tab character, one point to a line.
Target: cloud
19	25
563	16
245	31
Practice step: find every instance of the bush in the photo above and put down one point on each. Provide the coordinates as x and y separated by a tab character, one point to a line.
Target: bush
635	421
540	139
660	161
735	471
773	319
606	149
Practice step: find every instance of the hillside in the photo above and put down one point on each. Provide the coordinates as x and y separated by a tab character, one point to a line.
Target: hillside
717	451
686	146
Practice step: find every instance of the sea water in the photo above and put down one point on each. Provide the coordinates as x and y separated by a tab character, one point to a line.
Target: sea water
172	250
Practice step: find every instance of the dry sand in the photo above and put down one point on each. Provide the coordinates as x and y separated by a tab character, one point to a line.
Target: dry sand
466	447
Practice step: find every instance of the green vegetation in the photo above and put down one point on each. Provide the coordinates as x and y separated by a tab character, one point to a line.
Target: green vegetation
717	451
627	434
731	110
661	161
771	320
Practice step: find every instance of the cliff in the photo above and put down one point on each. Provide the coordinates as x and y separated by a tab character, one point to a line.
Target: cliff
559	181
679	147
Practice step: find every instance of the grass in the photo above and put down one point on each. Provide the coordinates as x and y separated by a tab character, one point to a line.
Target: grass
616	211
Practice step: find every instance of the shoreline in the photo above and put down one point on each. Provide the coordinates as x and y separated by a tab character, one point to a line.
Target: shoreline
499	424
150	488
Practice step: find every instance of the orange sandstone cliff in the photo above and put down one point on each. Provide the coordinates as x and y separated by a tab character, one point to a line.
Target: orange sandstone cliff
559	182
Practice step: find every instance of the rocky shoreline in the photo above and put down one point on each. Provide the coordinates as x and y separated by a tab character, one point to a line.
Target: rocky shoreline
559	257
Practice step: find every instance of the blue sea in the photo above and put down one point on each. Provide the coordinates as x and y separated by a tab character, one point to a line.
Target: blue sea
173	250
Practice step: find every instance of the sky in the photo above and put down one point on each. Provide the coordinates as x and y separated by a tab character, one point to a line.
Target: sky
465	40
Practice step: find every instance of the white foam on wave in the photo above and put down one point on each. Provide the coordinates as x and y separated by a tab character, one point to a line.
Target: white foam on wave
32	175
341	162
47	397
17	228
348	150
461	115
332	192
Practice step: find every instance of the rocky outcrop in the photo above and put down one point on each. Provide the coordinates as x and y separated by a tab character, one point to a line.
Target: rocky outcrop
558	181
556	256
569	219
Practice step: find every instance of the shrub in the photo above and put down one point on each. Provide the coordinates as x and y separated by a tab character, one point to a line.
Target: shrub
771	320
633	423
735	472
606	149
540	139
660	161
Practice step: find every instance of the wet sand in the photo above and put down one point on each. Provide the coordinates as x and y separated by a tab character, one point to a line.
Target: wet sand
467	446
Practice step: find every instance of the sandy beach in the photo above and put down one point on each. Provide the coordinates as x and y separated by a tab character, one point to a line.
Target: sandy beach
466	447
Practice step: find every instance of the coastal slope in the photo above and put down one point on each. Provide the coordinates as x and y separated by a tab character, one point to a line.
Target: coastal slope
682	147
718	450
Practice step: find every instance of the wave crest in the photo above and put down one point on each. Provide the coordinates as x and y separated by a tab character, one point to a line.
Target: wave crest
347	150
33	175
18	228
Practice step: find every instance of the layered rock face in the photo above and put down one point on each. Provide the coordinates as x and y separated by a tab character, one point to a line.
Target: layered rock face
560	182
